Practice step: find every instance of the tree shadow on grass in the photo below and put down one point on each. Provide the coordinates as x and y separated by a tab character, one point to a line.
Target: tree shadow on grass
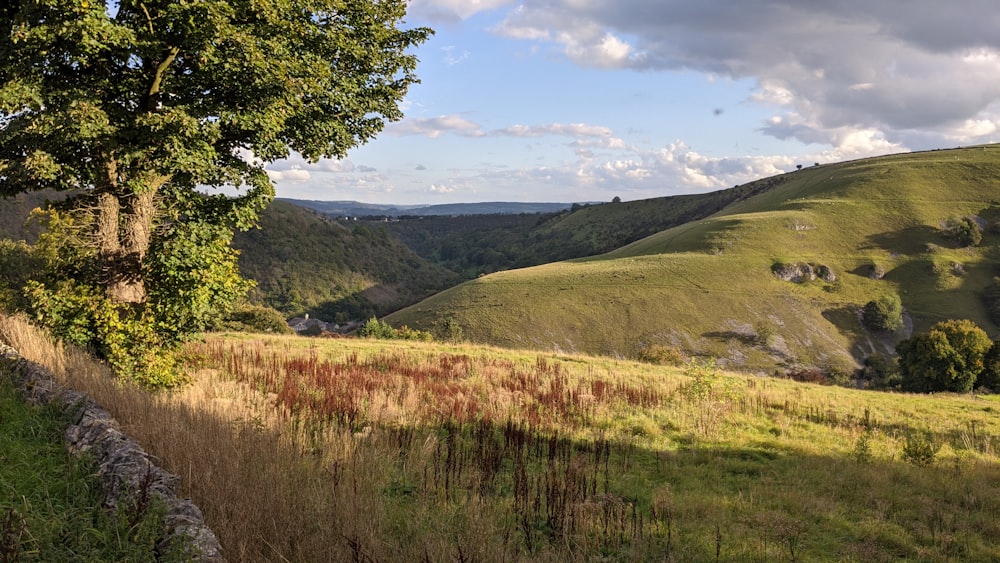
908	241
747	339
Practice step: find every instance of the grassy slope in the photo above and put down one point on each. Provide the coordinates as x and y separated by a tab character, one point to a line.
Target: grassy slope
707	286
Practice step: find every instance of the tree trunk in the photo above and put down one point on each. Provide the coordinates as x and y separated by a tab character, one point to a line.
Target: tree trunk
124	229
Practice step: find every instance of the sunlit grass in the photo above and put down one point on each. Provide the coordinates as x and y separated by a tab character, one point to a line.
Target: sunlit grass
345	449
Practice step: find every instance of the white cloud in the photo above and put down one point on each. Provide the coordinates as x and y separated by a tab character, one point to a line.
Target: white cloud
925	73
560	129
434	127
293	175
453	57
441	189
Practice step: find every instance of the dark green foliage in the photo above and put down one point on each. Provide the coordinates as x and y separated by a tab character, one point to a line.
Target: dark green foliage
254	318
193	278
921	448
374	328
452	331
991	298
964	231
949	357
990	377
17	265
880	372
884	314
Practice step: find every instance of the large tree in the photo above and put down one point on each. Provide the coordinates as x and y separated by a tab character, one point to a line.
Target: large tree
157	117
140	108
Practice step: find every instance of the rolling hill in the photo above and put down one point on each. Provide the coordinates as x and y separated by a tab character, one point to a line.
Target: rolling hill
305	263
714	286
357	209
481	244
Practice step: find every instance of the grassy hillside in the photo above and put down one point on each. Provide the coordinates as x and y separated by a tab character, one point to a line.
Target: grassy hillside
303	262
474	245
708	287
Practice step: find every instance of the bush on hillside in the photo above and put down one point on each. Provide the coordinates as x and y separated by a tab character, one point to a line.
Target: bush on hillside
880	372
884	314
374	328
452	330
255	319
920	448
991	298
990	377
948	357
662	355
964	231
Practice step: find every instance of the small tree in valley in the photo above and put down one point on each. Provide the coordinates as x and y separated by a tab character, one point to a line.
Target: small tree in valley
948	357
884	314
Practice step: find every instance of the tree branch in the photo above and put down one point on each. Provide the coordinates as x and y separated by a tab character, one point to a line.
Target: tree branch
161	70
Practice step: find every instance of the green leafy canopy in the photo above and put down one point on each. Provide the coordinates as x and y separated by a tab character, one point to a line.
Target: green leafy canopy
117	95
158	117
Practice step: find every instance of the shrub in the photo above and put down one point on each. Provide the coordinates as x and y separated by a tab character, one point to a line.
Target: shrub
705	380
452	330
406	333
991	298
990	376
920	448
129	339
964	231
764	332
880	372
256	319
862	452
949	357
374	328
661	355
884	314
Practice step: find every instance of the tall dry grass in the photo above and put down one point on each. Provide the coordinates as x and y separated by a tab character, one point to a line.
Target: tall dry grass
264	500
277	485
304	450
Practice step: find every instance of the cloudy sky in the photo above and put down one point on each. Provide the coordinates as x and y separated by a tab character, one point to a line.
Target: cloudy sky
584	100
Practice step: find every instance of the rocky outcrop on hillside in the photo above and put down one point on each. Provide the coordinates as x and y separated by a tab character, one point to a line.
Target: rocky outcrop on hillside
802	272
125	469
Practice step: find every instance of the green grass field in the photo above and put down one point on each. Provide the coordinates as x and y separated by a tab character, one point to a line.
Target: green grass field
50	501
706	287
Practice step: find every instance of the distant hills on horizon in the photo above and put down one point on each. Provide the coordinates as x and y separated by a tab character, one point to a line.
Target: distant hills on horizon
359	209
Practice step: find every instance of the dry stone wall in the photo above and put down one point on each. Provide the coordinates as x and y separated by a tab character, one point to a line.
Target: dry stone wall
125	468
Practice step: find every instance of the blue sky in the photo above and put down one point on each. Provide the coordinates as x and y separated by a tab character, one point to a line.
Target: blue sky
585	100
